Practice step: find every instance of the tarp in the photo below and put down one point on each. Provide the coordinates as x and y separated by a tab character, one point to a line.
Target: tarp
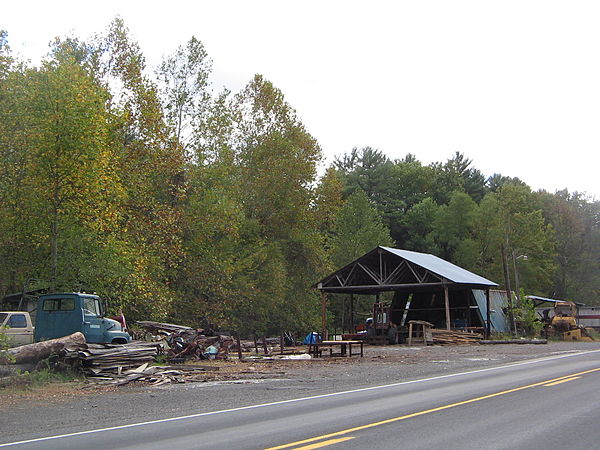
312	338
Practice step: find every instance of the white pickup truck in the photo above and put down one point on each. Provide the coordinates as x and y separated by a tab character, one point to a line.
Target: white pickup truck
17	326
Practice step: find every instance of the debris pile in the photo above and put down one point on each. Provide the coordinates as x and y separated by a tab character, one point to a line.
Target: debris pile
99	359
448	337
185	342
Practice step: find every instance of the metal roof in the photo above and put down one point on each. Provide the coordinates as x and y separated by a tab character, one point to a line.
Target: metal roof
539	299
441	267
392	269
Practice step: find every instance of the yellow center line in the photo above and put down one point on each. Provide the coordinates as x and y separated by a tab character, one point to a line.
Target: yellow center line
562	381
428	411
324	443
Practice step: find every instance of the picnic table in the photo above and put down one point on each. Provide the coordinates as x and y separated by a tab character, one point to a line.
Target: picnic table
316	349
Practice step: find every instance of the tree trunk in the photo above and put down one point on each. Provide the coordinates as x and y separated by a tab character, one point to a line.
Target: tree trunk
32	353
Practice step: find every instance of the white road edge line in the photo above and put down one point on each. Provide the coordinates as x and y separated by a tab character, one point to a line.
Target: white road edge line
282	402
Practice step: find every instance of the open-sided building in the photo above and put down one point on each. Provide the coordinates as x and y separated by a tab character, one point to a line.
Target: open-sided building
425	288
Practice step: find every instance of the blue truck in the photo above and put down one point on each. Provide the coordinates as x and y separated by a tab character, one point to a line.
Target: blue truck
62	314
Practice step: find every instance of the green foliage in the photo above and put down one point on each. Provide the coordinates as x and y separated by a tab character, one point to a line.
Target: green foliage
4	346
176	202
359	229
419	222
39	378
527	318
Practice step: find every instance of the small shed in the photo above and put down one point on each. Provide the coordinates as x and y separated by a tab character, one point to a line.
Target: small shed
425	288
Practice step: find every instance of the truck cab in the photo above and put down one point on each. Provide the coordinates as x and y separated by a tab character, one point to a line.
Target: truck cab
16	325
62	314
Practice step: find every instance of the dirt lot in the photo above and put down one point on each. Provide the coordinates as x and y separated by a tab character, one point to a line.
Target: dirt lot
55	409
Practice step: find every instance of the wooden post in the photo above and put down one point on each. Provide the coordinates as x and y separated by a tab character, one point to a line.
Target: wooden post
265	349
487	314
281	343
352	329
324	315
447	305
239	347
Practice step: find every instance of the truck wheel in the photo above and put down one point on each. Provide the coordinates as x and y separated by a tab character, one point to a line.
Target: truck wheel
119	341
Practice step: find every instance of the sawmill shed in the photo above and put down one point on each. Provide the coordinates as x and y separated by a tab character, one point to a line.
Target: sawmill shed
424	286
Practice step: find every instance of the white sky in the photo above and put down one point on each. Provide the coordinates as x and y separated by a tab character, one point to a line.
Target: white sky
514	85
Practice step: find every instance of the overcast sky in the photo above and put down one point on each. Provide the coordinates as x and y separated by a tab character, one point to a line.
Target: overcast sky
514	85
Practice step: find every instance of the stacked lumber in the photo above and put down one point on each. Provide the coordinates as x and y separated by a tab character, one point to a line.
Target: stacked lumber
449	337
153	375
102	359
122	364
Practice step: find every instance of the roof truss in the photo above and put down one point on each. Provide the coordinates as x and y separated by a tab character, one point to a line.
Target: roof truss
380	270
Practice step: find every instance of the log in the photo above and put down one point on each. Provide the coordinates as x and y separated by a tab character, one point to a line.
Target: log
514	341
32	353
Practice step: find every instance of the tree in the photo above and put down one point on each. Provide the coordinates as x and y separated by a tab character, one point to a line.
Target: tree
184	80
577	247
327	204
359	229
453	226
151	164
366	169
523	231
496	181
419	224
458	175
62	189
277	161
6	59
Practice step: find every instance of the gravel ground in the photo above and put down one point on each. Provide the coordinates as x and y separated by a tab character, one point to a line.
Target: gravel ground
64	409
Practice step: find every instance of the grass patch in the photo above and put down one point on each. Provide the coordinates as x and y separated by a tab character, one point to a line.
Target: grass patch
43	376
593	333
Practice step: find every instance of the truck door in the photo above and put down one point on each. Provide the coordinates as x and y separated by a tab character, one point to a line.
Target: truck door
57	317
19	332
93	323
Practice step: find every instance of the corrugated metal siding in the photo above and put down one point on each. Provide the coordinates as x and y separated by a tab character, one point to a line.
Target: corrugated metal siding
441	267
498	301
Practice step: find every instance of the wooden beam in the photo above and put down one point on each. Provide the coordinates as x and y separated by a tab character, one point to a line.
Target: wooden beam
377	287
324	315
488	328
369	272
447	305
352	330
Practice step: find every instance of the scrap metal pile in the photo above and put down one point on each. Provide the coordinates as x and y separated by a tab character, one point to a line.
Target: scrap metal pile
182	342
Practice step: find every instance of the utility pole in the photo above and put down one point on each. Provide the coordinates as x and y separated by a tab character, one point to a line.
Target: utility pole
511	317
517	288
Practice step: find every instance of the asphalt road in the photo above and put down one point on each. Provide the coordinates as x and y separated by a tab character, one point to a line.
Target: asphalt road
548	403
